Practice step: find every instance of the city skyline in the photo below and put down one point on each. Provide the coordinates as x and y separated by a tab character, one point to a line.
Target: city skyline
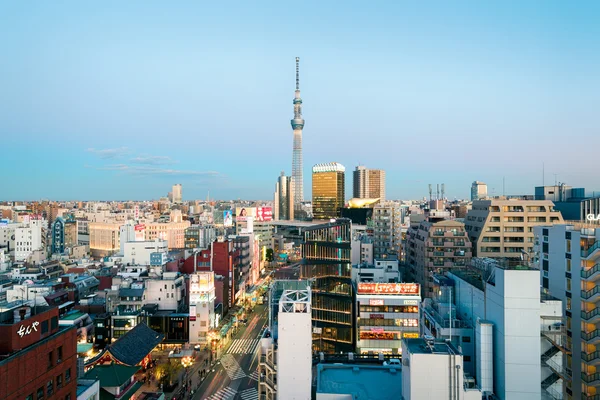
491	91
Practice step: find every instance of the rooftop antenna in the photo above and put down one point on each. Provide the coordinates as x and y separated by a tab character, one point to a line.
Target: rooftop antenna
443	190
437	192
555	179
430	193
297	73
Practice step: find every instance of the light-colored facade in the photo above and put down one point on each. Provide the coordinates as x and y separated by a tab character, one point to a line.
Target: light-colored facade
368	183
167	292
478	191
173	232
384	270
104	238
328	193
29	238
285	364
387	313
433	247
504	228
177	198
139	253
283	204
297	125
568	257
434	370
202	306
387	229
362	249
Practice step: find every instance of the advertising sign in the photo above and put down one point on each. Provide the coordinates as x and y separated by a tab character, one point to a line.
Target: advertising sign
139	230
375	302
157	259
376	316
388	288
260	214
192	312
410	335
227	218
139	227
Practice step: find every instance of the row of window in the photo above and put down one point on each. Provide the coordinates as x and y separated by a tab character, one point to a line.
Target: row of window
51	385
388	322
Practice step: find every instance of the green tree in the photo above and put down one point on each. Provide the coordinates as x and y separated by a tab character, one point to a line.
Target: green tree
269	255
168	371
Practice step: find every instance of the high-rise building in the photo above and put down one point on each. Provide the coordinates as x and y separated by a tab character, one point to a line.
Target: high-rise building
500	228
387	229
63	235
568	257
328	190
297	126
177	193
326	260
369	183
478	191
283	205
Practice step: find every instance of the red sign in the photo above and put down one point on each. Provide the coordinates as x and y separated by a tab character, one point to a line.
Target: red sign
388	288
375	302
264	214
379	330
140	227
376	316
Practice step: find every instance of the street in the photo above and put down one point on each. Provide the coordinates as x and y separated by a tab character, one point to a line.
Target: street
235	375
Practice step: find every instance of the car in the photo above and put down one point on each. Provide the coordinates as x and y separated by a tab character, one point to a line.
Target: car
392	361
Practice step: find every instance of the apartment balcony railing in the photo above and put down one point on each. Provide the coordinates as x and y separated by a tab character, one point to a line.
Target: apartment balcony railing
591	336
596	246
438	254
586	273
591	378
588	294
588	315
590	357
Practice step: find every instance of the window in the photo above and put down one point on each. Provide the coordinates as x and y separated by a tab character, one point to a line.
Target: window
68	375
466	339
60	355
50	388
50	362
54	323
467	358
40	393
165	287
29	397
68	396
59	381
44	327
568	265
568	246
568	285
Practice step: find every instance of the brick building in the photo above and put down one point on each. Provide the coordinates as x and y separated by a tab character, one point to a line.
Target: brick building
38	358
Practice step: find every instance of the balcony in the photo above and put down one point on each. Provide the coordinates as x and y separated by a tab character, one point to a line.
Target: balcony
592	337
593	273
591	316
591	358
591	295
591	379
269	382
588	252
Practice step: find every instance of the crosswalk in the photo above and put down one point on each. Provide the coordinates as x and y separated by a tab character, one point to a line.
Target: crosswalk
243	346
254	376
226	393
249	394
232	367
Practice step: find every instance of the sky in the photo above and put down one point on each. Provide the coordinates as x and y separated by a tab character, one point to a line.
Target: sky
119	100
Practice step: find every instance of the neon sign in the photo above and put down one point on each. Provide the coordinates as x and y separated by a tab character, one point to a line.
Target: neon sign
27	330
388	288
592	217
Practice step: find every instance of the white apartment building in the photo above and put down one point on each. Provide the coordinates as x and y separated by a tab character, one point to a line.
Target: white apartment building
167	292
386	270
29	238
202	306
140	253
434	370
568	257
503	228
387	313
362	249
387	229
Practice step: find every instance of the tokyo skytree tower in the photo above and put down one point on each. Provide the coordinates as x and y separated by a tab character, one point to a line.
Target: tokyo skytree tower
297	126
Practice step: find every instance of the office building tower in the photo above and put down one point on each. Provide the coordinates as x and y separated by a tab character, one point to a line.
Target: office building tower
387	229
568	257
328	190
368	183
433	247
176	193
297	126
572	203
478	191
500	228
326	260
283	204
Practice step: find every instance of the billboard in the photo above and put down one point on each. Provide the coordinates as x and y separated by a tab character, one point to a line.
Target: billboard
139	230
388	288
192	312
260	214
227	218
157	259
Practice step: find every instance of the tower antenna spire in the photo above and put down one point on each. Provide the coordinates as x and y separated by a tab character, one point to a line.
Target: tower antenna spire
297	73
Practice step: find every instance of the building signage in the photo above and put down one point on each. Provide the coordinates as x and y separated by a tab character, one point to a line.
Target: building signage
157	259
388	288
593	218
410	335
23	330
411	302
376	316
375	302
378	330
192	313
139	227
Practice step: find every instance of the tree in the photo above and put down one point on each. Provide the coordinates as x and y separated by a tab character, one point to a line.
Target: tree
269	255
167	372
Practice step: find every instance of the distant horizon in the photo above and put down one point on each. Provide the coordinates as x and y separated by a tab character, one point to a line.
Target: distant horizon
119	101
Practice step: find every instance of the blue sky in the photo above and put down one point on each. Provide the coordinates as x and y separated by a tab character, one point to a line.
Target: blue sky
119	100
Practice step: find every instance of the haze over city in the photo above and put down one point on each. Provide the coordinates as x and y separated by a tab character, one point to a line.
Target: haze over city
120	102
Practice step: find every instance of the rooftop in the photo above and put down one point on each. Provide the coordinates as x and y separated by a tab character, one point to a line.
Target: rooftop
373	382
72	316
113	375
422	346
83	385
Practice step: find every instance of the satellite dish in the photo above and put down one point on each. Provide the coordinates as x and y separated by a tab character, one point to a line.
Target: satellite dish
29	282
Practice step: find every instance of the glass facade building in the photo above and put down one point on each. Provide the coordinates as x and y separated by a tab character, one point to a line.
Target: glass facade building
327	190
326	262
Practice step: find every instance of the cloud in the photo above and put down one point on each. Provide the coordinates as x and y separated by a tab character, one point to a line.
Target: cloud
107	154
156	171
152	160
